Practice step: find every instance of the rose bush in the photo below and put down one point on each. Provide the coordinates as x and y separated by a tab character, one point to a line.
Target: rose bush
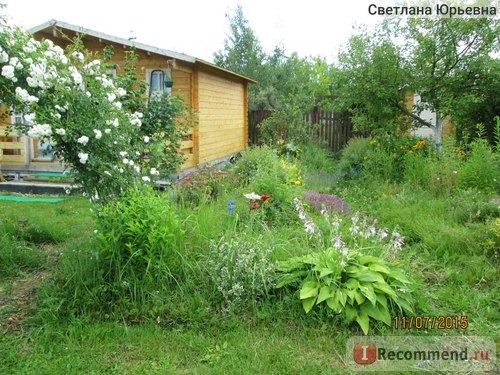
69	100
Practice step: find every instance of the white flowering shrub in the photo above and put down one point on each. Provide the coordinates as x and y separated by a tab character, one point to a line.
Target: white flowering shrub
241	271
70	101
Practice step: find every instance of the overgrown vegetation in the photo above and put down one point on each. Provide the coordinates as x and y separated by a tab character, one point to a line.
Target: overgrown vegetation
428	248
266	266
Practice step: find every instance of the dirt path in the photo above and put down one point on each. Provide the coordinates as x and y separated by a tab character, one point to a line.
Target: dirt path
17	298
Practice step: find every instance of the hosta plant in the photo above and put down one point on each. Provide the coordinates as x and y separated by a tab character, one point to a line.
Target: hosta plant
359	286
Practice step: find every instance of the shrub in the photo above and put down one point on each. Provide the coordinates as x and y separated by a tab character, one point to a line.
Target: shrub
240	270
481	170
353	157
203	185
359	286
285	125
316	157
277	209
140	241
258	161
347	273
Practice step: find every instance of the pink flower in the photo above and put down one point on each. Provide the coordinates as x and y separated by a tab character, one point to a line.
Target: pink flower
254	205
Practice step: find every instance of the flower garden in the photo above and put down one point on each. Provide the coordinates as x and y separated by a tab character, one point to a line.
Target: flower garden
266	265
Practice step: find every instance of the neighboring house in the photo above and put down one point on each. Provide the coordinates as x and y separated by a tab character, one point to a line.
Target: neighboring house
413	100
218	96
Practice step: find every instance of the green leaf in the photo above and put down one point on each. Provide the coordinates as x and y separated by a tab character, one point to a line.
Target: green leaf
352	269
379	268
365	259
404	305
377	312
385	288
360	298
363	321
398	275
308	303
382	299
342	296
309	289
368	276
352	284
324	293
333	303
290	278
350	313
368	292
324	272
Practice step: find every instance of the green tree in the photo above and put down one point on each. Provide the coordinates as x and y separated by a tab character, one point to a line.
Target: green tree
447	61
450	59
291	81
369	81
243	52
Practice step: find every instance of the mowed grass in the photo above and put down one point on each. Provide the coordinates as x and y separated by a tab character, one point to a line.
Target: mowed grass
232	347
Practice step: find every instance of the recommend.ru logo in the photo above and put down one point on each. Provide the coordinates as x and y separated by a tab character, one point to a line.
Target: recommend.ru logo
424	353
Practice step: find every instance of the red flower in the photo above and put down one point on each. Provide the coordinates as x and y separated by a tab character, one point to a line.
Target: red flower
265	197
254	205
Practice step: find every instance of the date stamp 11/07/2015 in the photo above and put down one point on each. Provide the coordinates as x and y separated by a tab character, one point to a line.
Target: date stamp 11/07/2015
431	322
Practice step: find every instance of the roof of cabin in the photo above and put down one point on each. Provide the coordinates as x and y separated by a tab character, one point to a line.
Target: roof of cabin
51	25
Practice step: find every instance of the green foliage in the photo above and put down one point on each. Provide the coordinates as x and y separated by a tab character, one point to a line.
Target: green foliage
474	206
286	125
92	123
240	270
283	79
203	185
258	161
446	60
490	240
360	287
140	240
16	257
264	172
166	121
368	82
480	170
353	157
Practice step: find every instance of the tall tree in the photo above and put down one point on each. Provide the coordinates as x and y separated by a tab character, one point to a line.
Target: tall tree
444	60
290	81
450	58
242	51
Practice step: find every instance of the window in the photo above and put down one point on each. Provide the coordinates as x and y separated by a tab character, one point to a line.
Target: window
159	80
40	149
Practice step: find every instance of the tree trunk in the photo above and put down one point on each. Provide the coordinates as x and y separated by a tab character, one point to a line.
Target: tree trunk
438	133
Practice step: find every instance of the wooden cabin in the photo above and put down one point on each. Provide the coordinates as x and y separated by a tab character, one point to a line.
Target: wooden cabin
218	96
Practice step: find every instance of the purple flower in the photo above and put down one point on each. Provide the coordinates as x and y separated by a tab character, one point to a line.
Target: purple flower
320	201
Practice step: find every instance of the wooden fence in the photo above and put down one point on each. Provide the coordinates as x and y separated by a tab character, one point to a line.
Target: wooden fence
332	128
